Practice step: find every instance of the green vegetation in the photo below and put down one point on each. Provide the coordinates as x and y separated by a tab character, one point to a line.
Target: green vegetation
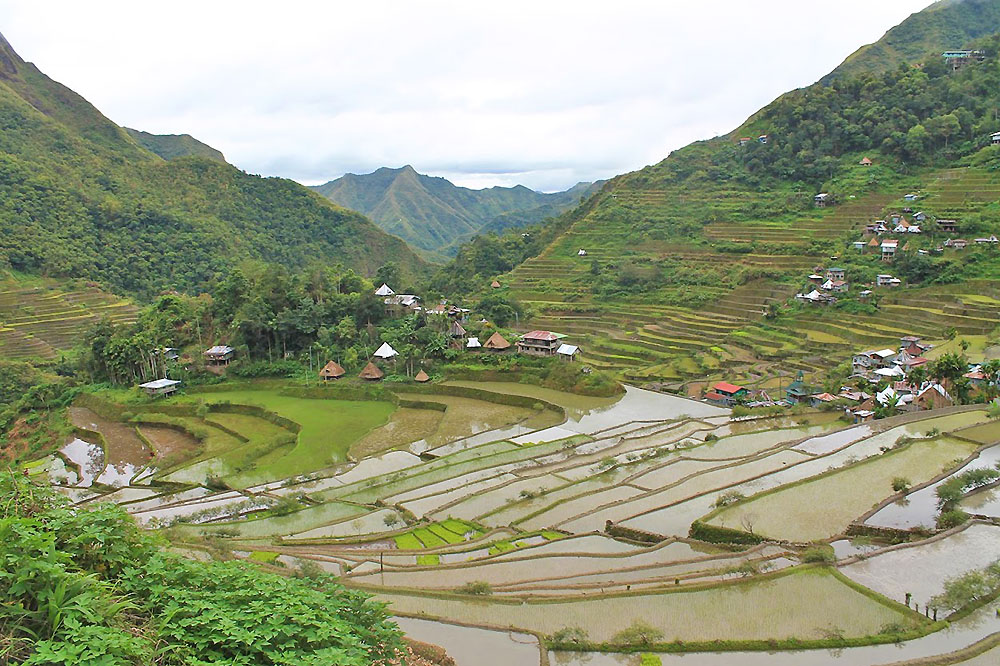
88	587
79	197
434	215
968	589
435	535
172	146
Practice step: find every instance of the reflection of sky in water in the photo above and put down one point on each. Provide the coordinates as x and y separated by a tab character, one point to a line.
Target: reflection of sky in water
117	475
920	508
88	457
470	646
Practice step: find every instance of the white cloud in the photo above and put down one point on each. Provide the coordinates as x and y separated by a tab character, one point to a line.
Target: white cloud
545	94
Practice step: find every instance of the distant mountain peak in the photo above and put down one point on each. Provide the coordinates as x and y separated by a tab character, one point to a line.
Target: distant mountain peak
433	214
9	59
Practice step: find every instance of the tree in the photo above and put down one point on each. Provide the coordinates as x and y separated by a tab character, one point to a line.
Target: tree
388	273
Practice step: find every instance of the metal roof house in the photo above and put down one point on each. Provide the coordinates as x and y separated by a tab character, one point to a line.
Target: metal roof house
219	354
160	387
386	352
539	343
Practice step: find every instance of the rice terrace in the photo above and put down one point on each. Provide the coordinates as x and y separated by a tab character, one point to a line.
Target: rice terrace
577	395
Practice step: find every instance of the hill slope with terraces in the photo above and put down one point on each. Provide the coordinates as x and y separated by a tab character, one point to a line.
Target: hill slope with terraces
687	269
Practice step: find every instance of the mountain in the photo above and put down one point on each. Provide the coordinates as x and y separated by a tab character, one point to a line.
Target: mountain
687	269
172	146
948	24
81	197
434	215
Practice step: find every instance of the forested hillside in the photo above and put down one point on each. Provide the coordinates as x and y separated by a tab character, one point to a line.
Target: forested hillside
172	146
434	215
79	197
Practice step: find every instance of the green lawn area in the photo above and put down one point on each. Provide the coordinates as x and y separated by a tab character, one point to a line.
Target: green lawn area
822	507
809	604
329	427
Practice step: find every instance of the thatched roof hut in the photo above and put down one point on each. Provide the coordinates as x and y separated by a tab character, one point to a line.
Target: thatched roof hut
496	342
371	372
422	377
457	330
332	370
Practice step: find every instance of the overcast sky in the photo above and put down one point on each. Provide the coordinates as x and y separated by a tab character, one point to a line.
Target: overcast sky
543	93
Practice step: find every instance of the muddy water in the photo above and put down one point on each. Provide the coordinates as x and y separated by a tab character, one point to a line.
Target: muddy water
466	417
169	443
124	446
830	443
405	426
470	646
920	508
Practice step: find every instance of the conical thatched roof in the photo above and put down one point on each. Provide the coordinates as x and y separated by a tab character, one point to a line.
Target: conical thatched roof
495	284
332	369
497	341
422	377
371	371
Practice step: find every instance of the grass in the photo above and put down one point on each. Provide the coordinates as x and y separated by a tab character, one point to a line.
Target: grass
329	427
810	603
435	535
823	506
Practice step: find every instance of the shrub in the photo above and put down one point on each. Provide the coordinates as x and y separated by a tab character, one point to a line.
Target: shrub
727	498
639	633
647	659
953	518
569	636
479	588
818	554
900	484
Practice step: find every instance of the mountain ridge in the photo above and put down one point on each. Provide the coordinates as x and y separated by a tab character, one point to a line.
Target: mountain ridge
172	146
433	214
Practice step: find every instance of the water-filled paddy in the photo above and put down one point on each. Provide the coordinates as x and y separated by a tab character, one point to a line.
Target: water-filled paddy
470	646
825	506
805	605
922	569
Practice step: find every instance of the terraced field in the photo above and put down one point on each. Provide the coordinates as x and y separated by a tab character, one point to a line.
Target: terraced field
39	320
643	340
588	523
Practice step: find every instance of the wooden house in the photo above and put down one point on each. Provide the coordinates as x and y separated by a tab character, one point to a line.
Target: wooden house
219	354
567	352
865	162
456	330
371	372
822	200
947	226
332	370
889	246
160	387
539	343
933	397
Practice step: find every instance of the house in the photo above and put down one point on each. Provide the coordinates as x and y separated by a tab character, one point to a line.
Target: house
816	279
473	344
170	353
567	352
906	361
835	273
893	373
865	162
332	370
948	226
862	415
539	343
908	343
873	244
823	199
889	398
744	140
725	393
371	372
992	240
495	284
456	330
219	354
958	59
858	245
581	253
995	138
886	280
160	387
797	391
912	196
976	377
385	352
762	138
816	298
400	304
497	343
889	249
820	399
933	396
920	216
869	360
384	290
836	286
865	295
956	244
422	377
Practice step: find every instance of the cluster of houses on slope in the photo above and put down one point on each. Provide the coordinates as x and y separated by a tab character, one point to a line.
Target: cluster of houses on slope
892	368
834	281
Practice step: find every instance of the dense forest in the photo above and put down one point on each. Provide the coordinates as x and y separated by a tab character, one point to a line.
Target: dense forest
79	197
